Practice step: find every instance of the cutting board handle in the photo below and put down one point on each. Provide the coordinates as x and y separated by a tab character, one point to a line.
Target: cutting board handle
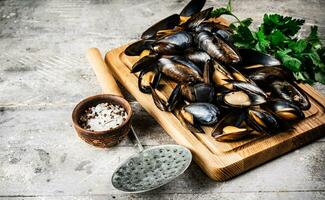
103	73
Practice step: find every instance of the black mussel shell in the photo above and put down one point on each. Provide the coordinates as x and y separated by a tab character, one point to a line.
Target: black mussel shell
290	92
262	121
145	63
192	7
234	118
181	39
266	75
186	62
202	113
166	104
285	110
216	47
197	18
251	57
136	48
145	80
179	72
167	23
200	92
248	87
200	58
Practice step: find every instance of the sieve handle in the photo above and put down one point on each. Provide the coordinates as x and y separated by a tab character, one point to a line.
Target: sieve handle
136	138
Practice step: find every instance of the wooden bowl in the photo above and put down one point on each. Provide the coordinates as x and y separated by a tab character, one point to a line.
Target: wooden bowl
106	138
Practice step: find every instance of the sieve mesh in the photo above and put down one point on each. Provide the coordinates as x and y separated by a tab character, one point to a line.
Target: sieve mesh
151	168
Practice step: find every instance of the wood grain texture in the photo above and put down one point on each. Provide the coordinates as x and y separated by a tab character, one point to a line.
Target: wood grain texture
221	160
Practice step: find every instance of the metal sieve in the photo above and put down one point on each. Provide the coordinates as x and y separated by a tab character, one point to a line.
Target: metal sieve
151	168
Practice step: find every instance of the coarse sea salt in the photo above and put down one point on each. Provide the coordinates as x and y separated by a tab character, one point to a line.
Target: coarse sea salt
104	116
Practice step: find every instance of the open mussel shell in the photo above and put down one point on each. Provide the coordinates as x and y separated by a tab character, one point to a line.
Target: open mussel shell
233	133
193	7
145	63
262	121
163	102
290	92
230	128
252	58
285	110
200	92
197	18
146	79
240	99
200	114
136	48
167	23
245	86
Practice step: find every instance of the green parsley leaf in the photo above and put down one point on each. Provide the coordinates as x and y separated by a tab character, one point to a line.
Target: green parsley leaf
278	39
298	46
263	44
288	61
287	25
314	57
313	38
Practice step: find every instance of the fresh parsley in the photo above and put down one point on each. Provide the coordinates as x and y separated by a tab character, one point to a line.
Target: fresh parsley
277	35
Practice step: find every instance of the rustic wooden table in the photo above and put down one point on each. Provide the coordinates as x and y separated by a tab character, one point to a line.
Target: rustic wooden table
44	73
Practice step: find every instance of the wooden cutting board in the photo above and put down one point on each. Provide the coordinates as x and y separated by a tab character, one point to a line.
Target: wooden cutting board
220	160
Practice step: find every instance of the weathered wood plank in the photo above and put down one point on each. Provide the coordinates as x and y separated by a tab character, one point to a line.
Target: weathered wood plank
47	125
229	196
74	168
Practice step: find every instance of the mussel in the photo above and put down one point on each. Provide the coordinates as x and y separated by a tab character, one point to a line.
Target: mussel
251	59
174	43
285	110
136	48
200	58
262	121
216	48
200	92
290	92
178	71
245	86
240	99
216	29
147	79
193	7
167	23
145	63
197	114
231	127
219	74
164	102
266	75
197	18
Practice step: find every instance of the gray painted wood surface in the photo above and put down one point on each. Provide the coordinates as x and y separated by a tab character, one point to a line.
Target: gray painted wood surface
43	74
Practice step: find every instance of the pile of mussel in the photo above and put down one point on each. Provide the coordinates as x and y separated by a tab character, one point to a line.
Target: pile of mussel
238	92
